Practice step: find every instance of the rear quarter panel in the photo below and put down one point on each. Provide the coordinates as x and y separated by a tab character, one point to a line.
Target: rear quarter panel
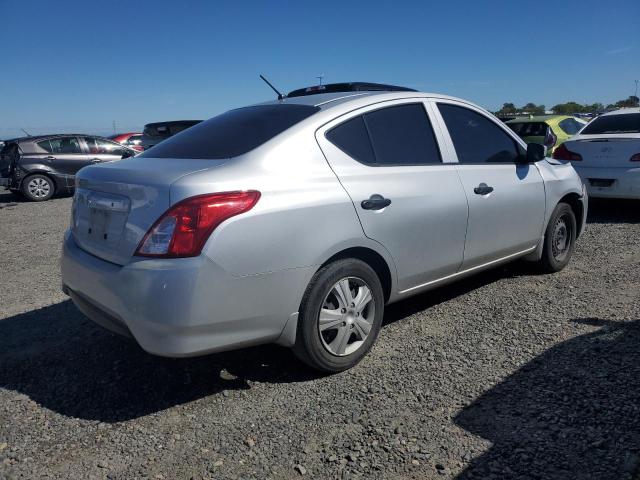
303	217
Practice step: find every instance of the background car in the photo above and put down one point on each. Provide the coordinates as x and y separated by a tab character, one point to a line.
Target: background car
131	139
155	133
548	130
297	221
606	154
40	166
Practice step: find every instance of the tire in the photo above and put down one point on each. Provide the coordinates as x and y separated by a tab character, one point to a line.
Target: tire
38	188
559	239
339	340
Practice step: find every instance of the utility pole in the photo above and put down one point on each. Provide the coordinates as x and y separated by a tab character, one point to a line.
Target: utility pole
320	77
636	94
114	127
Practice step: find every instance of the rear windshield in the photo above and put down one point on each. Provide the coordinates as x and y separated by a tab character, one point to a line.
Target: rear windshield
233	133
623	123
529	129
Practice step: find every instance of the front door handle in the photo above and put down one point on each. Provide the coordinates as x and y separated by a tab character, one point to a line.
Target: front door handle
95	160
375	202
483	189
50	158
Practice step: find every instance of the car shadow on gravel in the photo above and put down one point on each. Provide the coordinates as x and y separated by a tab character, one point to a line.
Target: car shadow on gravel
62	361
572	412
613	211
66	363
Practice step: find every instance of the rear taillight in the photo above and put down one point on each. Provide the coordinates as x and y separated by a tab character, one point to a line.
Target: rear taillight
635	158
563	153
550	138
183	230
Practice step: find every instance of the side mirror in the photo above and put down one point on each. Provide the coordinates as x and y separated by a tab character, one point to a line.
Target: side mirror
535	152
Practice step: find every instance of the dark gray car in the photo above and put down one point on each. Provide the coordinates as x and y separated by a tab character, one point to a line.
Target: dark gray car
38	167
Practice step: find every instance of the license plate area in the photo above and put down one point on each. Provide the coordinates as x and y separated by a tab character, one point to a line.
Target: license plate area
601	182
99	218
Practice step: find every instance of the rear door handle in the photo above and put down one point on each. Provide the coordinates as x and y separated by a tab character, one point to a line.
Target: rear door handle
95	160
375	202
483	189
49	158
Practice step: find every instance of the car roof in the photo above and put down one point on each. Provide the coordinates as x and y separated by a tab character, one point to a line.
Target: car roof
622	111
326	101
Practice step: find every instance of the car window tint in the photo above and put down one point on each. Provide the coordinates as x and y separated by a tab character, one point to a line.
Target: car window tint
622	123
109	148
233	133
529	129
352	138
476	138
46	146
402	135
569	125
65	145
98	146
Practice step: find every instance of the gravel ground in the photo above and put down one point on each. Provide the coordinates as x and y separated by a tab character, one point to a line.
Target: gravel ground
508	374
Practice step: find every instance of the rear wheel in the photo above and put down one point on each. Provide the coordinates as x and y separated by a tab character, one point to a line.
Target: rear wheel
340	316
559	239
38	188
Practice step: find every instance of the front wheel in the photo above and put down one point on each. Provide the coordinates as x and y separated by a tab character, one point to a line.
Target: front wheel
340	316
559	239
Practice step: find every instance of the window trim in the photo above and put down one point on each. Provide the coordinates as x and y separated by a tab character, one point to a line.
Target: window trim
518	142
388	104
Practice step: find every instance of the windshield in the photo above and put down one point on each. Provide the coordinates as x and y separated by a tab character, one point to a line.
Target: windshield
622	123
233	133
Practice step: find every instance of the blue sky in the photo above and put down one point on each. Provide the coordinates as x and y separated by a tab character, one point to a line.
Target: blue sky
79	66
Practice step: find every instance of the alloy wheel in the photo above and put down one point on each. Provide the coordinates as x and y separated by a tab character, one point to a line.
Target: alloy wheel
346	317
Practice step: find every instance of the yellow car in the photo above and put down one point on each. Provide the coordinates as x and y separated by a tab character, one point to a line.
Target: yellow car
548	130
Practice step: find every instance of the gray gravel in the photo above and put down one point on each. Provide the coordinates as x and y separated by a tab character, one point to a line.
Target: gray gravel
506	375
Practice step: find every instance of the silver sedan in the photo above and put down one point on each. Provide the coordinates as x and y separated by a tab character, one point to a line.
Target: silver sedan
297	221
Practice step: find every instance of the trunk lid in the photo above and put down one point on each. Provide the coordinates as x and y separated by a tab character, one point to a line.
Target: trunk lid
605	151
116	203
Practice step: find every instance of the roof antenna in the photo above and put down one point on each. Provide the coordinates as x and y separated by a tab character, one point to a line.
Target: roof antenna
280	96
26	133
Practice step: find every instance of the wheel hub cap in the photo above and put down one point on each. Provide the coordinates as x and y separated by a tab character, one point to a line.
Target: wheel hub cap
39	187
346	316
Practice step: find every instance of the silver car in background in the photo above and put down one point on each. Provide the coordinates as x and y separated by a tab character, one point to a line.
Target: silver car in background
296	221
606	154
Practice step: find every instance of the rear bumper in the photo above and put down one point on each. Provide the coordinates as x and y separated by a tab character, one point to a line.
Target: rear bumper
626	181
181	307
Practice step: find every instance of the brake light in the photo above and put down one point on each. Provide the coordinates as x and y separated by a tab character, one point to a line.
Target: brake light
550	138
183	229
635	158
563	153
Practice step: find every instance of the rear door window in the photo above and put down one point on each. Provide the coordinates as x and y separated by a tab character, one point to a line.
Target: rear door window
398	135
610	124
46	146
402	135
66	145
477	139
233	133
570	126
352	138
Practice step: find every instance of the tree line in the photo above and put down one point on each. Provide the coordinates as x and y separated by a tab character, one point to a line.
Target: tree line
567	108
